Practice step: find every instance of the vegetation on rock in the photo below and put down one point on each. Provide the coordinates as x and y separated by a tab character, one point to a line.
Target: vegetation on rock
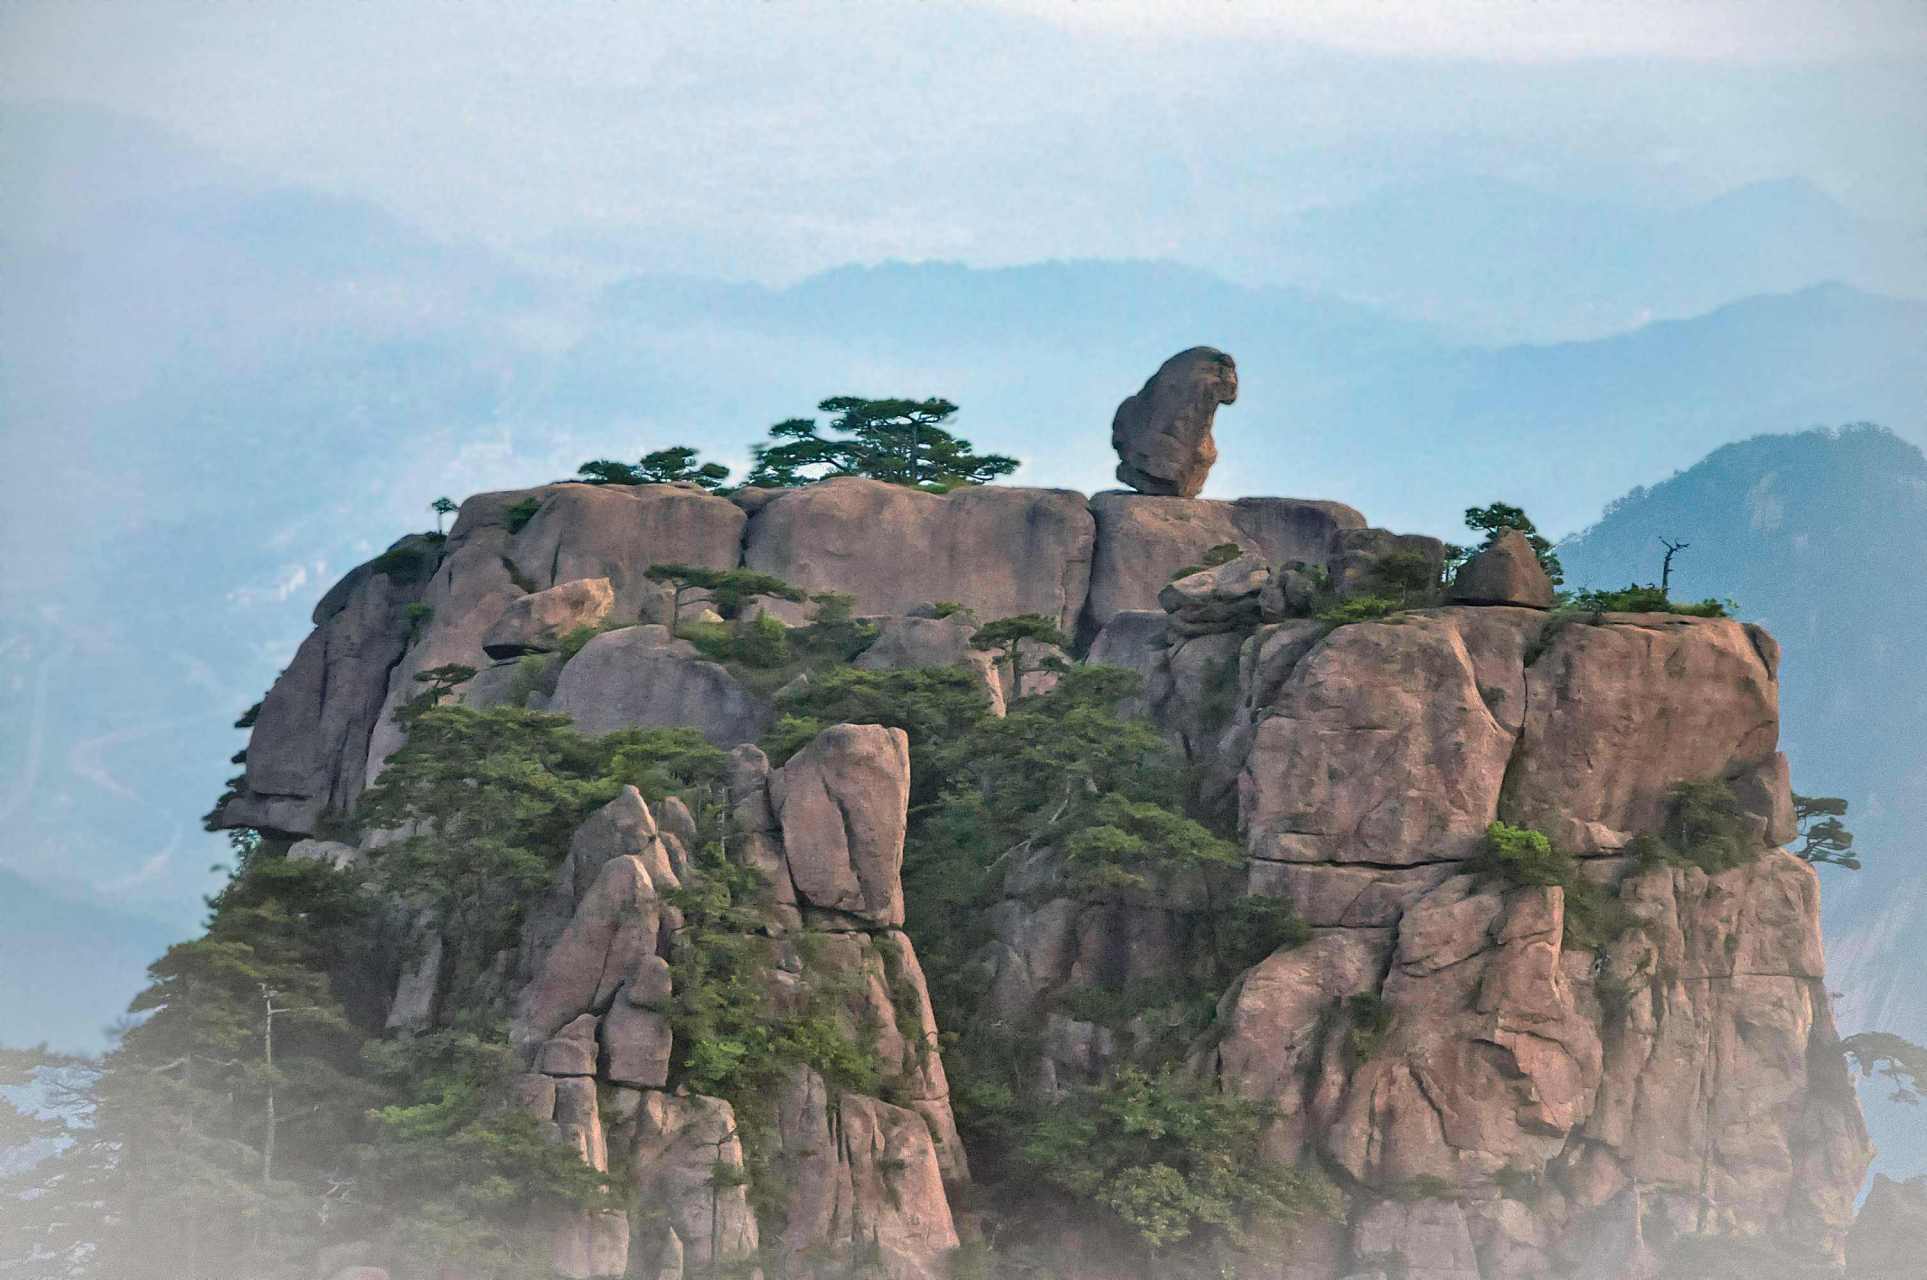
897	441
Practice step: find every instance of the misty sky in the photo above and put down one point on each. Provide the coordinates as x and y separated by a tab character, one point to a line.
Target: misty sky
776	137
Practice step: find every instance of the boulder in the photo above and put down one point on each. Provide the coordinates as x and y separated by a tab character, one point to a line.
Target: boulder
934	642
570	1052
862	1176
1507	572
1163	433
996	549
1368	562
1141	540
842	802
537	622
1416	1239
642	678
636	1043
590	1245
419	987
1273	1022
1135	640
680	1140
604	944
1293	592
617	532
1224	598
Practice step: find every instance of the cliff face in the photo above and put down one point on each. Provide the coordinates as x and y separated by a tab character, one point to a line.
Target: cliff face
1499	1085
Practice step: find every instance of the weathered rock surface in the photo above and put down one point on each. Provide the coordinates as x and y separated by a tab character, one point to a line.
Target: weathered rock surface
308	753
1619	712
618	531
841	803
594	989
863	1172
995	549
1141	540
468	593
641	677
1224	598
679	1142
1507	572
1389	741
1163	433
1695	1062
537	622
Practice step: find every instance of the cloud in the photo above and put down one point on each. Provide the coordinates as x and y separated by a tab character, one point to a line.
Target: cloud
150	871
1520	30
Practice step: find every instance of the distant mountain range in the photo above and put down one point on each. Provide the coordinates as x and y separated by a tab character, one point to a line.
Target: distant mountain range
224	393
1495	261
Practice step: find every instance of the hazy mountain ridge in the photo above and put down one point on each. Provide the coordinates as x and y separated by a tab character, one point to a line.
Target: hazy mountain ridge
1820	536
1498	261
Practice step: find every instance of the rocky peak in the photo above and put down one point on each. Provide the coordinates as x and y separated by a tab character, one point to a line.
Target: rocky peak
1506	1076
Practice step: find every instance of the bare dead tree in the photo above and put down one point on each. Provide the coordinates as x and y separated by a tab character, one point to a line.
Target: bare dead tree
1666	565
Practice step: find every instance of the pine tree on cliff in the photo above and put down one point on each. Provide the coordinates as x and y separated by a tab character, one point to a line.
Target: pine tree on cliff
897	441
676	465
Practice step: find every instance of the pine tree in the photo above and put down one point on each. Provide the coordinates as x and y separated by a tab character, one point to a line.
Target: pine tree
897	441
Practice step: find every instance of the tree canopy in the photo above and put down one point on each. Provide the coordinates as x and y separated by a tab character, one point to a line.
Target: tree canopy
677	465
898	441
1824	837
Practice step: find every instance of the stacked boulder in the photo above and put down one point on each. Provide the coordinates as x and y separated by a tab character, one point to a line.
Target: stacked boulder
592	1022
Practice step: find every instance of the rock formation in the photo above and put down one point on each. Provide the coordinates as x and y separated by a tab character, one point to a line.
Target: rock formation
1501	1085
1507	572
827	830
1163	433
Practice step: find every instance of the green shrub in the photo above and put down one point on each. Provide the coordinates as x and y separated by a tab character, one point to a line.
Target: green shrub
1406	575
1253	928
408	562
1520	855
1634	598
576	639
1705	827
1594	915
1169	1160
761	642
1360	609
1222	553
1367	1020
519	514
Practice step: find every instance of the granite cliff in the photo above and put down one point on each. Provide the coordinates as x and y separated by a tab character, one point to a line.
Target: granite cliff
1576	1072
